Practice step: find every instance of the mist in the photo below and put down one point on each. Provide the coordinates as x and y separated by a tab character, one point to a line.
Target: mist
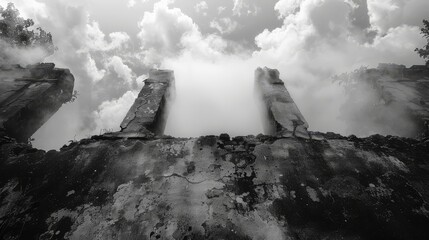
312	41
213	97
20	55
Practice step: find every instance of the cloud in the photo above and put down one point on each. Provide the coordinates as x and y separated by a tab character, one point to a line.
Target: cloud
92	70
316	40
131	3
319	39
241	6
167	32
201	7
162	30
95	39
237	8
224	25
287	7
386	14
110	114
121	69
85	49
221	9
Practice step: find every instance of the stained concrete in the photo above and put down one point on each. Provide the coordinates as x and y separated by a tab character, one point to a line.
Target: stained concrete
282	116
138	184
401	102
216	188
30	96
149	112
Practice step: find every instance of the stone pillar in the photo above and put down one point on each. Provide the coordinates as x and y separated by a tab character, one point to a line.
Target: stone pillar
149	112
30	96
283	117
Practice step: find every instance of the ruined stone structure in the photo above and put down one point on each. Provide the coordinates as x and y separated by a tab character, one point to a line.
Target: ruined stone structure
30	96
149	112
406	87
283	116
403	99
284	185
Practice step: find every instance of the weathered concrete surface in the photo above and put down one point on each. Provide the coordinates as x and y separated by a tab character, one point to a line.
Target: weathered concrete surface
30	96
402	103
150	110
283	117
216	188
136	184
407	88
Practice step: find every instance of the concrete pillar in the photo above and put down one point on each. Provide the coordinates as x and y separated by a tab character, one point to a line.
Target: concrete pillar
282	116
149	112
30	96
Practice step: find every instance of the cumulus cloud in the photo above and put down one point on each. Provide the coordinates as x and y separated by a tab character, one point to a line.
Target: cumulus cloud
92	70
95	39
238	6
224	25
242	6
319	39
286	7
162	30
386	14
166	32
109	115
121	69
201	7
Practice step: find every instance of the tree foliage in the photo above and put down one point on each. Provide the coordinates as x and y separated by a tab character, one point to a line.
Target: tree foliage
424	52
20	32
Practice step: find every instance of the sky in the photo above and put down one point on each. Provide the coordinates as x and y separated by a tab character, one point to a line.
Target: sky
214	46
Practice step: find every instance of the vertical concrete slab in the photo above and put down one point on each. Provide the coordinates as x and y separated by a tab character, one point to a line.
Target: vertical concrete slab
30	96
283	117
149	112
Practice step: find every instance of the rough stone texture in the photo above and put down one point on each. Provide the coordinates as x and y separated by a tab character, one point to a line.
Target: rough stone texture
136	184
283	116
30	96
149	111
407	87
217	188
405	93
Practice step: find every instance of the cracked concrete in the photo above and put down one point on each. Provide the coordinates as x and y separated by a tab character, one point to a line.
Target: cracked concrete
283	117
213	187
291	184
400	105
30	96
149	112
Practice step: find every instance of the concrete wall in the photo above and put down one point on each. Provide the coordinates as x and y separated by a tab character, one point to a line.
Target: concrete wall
138	184
214	187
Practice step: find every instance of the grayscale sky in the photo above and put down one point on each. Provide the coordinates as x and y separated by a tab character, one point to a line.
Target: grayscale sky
214	46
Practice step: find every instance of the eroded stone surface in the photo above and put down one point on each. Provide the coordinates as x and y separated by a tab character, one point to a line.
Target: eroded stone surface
212	187
401	105
30	96
149	111
283	117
